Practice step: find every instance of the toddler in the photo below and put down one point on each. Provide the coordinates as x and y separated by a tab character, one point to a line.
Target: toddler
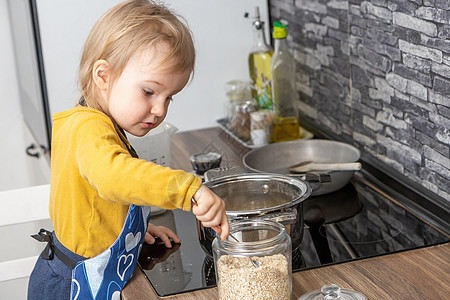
135	59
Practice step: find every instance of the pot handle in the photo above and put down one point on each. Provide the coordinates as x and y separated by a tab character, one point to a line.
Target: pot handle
287	217
212	174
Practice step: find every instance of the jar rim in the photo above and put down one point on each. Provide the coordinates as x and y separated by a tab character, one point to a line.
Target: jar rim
254	224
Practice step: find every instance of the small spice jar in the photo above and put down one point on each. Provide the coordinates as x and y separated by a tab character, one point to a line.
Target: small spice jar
267	243
258	131
202	162
239	108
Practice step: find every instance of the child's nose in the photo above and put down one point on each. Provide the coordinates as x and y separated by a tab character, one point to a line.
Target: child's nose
158	108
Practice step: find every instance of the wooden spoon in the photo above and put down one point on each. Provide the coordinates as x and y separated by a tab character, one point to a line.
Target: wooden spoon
309	166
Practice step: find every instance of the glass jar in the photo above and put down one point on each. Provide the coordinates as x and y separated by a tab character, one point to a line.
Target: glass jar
268	244
239	108
258	129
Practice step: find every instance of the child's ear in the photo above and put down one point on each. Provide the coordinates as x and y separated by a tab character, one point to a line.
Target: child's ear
100	74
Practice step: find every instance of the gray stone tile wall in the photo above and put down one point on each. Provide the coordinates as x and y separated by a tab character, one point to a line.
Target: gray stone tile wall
376	74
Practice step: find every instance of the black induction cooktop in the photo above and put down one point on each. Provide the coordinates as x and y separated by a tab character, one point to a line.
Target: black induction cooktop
359	221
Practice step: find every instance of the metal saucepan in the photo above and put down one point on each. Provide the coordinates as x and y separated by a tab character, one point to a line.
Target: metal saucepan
279	157
260	195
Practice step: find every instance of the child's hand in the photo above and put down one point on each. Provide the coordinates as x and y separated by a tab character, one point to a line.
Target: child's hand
164	233
210	210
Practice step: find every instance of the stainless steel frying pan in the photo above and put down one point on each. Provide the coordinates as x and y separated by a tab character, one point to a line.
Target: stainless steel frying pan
278	157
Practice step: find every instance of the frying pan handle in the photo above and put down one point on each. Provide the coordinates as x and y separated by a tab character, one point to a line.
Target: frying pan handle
316	177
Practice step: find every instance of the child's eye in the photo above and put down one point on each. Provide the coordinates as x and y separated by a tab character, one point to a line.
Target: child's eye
147	92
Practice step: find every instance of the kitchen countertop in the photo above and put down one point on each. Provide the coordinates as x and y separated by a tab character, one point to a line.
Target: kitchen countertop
417	274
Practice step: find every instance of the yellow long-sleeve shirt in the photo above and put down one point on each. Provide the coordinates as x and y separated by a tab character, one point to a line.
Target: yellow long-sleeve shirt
95	179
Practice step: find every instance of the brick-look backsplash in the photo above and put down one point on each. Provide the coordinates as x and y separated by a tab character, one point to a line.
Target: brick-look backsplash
376	74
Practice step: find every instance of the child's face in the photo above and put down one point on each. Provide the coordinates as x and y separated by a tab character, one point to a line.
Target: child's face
139	99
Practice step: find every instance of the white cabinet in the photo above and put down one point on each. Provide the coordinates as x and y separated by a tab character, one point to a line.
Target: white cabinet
18	257
24	212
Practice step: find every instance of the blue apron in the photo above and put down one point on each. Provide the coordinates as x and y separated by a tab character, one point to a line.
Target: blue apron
101	277
105	275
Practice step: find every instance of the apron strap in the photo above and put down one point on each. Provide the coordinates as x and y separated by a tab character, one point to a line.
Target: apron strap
124	140
50	250
119	130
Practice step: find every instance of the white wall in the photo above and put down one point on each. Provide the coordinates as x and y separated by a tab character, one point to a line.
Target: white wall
222	36
13	166
223	39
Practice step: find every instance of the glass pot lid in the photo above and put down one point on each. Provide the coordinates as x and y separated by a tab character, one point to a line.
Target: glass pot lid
258	193
333	291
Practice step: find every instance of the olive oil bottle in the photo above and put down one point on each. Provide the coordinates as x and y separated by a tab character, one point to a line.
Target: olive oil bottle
259	62
284	93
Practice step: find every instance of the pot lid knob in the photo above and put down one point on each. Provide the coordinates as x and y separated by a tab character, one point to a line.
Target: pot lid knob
333	291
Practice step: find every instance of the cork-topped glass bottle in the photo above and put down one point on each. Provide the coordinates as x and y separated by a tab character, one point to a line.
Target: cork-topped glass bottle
284	94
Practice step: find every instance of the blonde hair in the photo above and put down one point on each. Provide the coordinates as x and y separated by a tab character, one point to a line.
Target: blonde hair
124	30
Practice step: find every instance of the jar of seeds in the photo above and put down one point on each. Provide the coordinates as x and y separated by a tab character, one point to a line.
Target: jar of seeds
254	262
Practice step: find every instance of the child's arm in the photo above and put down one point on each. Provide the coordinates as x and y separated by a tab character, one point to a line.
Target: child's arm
164	233
210	210
118	177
